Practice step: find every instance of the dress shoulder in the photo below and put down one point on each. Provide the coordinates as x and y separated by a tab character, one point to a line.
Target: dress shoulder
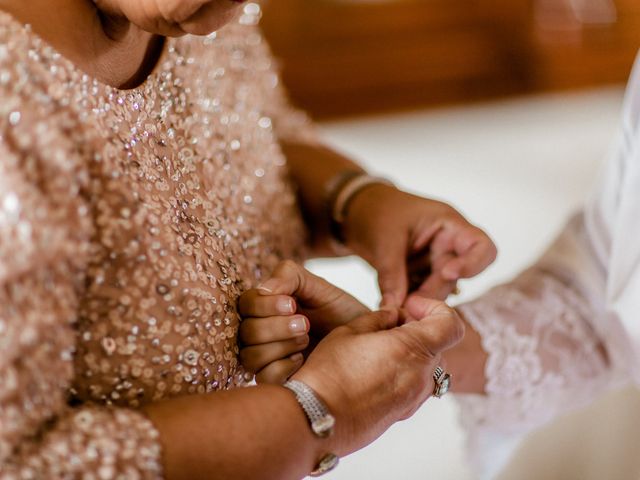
43	214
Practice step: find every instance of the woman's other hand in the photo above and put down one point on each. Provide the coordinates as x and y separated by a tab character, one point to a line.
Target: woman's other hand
377	370
286	315
416	245
371	373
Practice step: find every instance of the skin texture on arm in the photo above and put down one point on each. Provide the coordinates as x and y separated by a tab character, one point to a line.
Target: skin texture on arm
252	433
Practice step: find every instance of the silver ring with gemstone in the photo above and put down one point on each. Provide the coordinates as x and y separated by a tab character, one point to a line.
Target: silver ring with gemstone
443	382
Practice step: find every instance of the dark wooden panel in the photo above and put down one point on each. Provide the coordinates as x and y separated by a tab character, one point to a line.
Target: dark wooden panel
350	58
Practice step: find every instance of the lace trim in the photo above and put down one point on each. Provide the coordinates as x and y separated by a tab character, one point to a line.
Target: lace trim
544	356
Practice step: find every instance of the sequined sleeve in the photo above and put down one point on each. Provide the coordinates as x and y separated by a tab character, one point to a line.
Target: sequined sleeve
290	123
44	231
546	355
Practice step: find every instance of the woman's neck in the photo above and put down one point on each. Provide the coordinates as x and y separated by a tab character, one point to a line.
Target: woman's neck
106	46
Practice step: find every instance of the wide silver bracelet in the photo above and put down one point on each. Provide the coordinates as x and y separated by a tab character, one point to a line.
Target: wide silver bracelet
320	420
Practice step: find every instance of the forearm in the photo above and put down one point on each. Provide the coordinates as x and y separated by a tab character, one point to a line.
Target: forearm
251	433
312	168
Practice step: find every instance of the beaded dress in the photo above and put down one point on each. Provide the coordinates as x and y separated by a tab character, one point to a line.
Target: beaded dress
130	222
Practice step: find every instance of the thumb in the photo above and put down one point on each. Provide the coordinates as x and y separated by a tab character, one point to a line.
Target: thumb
439	326
383	319
288	278
392	273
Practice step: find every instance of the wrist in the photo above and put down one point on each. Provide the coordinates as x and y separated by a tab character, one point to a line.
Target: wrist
344	193
364	204
320	420
467	361
332	395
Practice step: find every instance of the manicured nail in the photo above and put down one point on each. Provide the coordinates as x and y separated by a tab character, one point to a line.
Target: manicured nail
298	324
450	273
286	305
296	357
269	286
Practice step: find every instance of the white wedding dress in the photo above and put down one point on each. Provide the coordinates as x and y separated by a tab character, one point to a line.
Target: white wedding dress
568	328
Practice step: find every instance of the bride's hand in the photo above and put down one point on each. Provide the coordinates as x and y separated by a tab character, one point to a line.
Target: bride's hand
290	312
417	245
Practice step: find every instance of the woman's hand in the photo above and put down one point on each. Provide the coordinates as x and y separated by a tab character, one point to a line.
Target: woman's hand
377	370
371	373
466	361
416	245
283	317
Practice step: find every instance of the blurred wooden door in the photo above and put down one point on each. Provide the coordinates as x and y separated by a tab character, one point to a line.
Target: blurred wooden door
358	56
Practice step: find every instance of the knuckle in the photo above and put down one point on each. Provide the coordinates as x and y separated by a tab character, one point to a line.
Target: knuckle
443	211
450	213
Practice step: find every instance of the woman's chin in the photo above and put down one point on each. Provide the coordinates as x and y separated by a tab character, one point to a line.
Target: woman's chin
210	18
177	17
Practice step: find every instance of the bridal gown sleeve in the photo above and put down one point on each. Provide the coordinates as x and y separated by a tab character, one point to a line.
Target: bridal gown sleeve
552	340
44	231
545	356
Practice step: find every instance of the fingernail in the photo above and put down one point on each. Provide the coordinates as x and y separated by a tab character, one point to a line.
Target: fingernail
269	286
286	305
298	324
450	273
296	357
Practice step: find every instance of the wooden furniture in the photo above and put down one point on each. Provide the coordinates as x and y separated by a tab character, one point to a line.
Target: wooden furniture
344	57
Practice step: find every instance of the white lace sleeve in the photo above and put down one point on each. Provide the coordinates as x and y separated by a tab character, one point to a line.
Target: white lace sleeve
545	358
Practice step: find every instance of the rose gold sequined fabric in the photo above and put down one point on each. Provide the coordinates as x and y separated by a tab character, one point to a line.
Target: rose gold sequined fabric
130	221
